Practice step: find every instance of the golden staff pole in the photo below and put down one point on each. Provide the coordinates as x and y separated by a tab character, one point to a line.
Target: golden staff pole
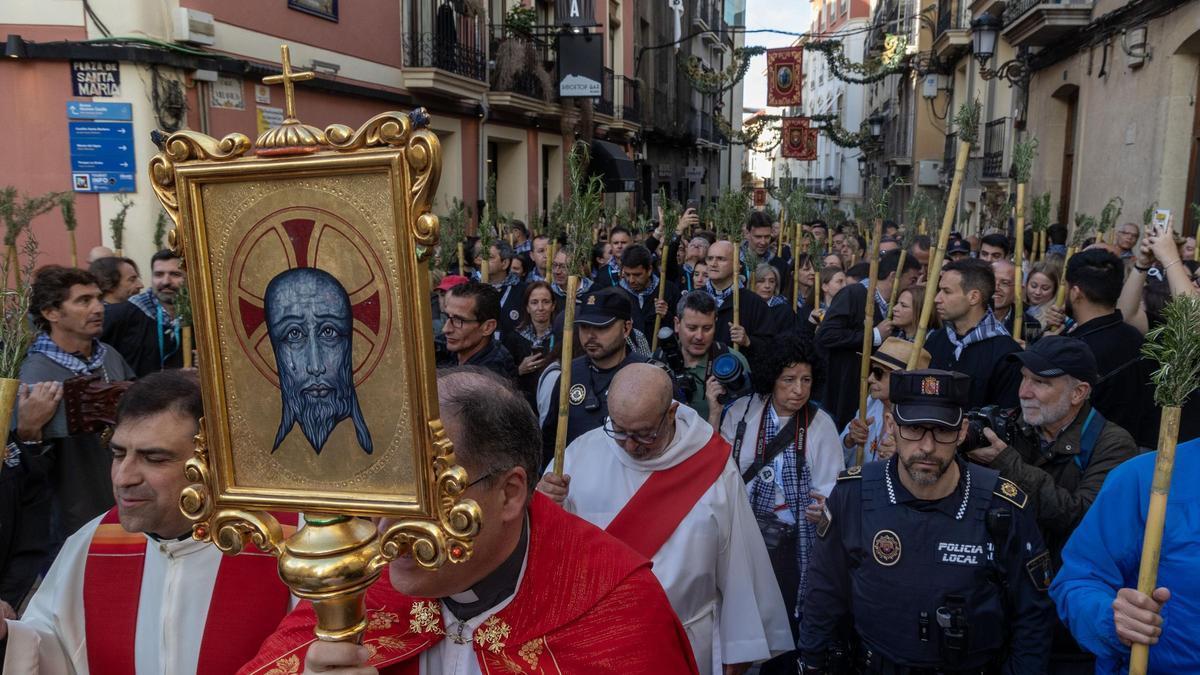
1156	515
564	379
662	295
737	301
868	334
779	243
187	346
922	228
1060	297
462	268
939	252
1019	274
795	267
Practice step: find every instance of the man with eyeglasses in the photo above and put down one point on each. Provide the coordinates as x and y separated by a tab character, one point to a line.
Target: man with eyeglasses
657	477
472	312
1127	239
935	561
541	592
602	324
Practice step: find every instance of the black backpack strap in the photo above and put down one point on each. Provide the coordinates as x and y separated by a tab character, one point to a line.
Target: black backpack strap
782	441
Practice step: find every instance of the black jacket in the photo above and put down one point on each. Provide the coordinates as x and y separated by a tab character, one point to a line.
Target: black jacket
839	340
994	379
1124	394
755	317
494	356
643	316
135	336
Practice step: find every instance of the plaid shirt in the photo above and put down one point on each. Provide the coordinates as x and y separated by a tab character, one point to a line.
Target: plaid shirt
792	477
42	344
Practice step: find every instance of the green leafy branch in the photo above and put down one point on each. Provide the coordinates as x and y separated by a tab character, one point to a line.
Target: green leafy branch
1024	153
966	122
707	81
1109	215
583	209
1039	220
1175	345
116	225
894	60
834	131
1085	227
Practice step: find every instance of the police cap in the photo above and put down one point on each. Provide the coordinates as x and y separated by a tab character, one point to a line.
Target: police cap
929	397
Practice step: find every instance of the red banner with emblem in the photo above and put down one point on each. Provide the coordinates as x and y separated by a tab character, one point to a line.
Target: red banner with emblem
799	139
784	76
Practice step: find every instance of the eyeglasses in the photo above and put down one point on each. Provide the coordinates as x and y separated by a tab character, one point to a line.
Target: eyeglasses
878	373
459	322
940	434
622	436
482	478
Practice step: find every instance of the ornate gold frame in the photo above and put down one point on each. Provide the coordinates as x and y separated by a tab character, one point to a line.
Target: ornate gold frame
336	556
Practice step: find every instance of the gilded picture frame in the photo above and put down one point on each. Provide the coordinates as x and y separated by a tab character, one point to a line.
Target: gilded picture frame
308	282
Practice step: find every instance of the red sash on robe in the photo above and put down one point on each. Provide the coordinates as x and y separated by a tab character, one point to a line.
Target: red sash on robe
664	500
247	603
586	604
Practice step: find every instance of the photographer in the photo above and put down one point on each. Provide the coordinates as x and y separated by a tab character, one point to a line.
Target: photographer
1060	450
789	454
690	353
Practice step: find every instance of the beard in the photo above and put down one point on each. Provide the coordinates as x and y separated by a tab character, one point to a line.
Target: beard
318	416
1039	415
923	476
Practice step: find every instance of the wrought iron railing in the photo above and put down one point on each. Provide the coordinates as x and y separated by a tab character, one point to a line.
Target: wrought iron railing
993	148
604	104
950	15
457	51
630	103
1016	9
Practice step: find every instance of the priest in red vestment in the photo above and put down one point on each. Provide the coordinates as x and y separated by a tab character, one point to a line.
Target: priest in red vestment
131	592
544	592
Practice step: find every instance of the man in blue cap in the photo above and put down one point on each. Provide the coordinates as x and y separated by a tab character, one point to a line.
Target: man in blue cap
602	324
937	562
1060	451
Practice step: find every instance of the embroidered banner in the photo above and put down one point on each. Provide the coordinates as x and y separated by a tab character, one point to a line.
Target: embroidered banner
799	139
784	76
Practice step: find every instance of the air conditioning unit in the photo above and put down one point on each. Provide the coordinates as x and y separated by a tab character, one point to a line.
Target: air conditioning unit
928	171
194	27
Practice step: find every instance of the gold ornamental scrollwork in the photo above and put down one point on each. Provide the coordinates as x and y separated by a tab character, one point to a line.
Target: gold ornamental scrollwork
183	146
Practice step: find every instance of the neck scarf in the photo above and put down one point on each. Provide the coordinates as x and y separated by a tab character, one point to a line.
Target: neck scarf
74	362
881	303
987	329
648	292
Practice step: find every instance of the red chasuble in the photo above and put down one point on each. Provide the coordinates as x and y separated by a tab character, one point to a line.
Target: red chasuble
586	604
248	600
664	500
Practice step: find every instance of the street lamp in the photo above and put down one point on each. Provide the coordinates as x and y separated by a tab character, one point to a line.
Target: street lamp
985	31
862	164
876	123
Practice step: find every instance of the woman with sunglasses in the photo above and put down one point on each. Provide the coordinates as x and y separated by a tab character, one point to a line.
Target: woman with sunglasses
788	452
891	357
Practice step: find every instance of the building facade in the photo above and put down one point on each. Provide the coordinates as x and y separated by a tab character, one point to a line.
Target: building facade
487	79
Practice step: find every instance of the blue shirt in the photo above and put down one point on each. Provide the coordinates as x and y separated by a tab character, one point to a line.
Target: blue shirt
1103	555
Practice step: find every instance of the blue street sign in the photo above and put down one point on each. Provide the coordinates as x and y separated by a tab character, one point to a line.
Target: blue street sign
88	110
102	156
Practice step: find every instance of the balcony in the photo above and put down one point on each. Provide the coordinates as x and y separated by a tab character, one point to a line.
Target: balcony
897	139
953	36
630	104
446	55
1032	23
993	7
522	79
993	149
604	104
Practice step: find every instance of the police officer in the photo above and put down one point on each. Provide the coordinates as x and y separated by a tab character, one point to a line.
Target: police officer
602	324
936	562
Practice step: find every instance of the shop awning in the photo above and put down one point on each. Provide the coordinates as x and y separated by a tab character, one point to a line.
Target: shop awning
614	167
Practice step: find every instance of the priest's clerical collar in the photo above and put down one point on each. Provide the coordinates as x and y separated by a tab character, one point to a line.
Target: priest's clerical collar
183	537
493	588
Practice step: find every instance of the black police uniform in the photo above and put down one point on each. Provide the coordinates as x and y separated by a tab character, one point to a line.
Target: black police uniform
588	398
953	585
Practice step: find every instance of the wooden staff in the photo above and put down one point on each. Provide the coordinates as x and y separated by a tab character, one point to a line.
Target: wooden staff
1019	274
895	281
1060	297
795	267
939	252
1044	244
187	346
737	301
921	229
868	334
564	378
662	295
779	244
462	267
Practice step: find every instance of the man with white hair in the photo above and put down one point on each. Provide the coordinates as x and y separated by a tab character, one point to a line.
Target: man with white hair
659	478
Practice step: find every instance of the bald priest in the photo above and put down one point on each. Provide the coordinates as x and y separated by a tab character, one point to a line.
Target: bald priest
657	477
543	591
131	591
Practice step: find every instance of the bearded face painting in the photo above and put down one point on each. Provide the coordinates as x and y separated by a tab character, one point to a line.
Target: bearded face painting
310	325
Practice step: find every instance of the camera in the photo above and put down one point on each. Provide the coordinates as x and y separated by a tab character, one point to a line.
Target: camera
672	356
734	377
1002	421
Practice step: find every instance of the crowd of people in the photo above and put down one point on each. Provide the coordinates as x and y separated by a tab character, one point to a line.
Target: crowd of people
724	502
